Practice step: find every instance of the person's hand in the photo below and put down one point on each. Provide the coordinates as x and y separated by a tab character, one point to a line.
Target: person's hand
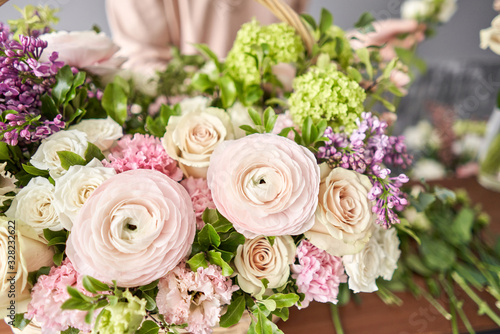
389	33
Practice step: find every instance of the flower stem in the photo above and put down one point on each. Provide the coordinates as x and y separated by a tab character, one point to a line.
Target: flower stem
434	303
483	306
336	319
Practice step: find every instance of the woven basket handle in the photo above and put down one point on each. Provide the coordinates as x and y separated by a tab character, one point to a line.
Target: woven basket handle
286	14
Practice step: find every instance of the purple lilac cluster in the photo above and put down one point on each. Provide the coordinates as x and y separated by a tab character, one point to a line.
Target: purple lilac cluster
367	150
23	80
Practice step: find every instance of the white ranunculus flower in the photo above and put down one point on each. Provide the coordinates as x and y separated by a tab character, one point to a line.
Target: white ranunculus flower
363	268
389	241
198	103
469	144
191	138
46	157
417	136
490	37
88	50
344	218
256	260
7	183
101	132
31	253
239	116
34	205
422	9
428	170
74	188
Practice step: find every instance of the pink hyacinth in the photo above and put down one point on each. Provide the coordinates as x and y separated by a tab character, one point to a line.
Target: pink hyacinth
49	293
200	196
195	298
318	275
142	152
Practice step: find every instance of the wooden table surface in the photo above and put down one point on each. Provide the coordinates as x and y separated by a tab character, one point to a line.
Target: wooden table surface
374	317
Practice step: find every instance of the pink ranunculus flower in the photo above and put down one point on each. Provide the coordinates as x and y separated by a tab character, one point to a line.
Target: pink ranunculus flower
83	49
318	274
195	298
200	196
142	152
265	185
134	228
49	293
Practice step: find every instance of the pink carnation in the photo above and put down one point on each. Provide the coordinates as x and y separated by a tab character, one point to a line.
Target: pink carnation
142	152
200	196
49	293
318	275
195	298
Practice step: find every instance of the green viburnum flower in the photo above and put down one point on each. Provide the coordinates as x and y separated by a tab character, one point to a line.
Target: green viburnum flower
285	46
341	52
326	93
124	317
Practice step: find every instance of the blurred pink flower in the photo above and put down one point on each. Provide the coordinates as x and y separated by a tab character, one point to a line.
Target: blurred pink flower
318	275
49	293
195	298
285	121
400	79
142	152
200	196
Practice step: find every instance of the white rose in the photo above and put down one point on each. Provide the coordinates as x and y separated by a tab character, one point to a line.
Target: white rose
423	9
34	205
100	132
191	138
74	188
490	37
389	241
31	253
344	218
363	268
470	144
428	170
417	136
448	9
88	50
239	116
256	260
7	183
198	103
46	157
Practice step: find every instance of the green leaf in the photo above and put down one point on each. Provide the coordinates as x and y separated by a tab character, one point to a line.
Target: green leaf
389	68
49	108
149	286
232	241
154	127
365	20
202	82
197	261
228	91
284	300
64	81
253	93
114	101
263	325
364	57
269	304
71	330
215	258
437	254
309	20
69	159
460	231
93	285
283	313
234	312
35	171
271	240
325	21
415	264
306	130
150	302
58	258
20	322
76	304
444	194
205	50
423	201
269	119
76	114
57	241
208	237
79	79
221	224
92	152
148	327
248	129
34	275
210	216
255	116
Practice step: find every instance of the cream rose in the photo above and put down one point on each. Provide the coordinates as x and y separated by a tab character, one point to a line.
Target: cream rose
490	37
34	205
134	228
265	185
198	103
89	50
239	116
101	132
20	243
389	241
74	188
7	183
46	157
344	217
256	259
422	9
191	138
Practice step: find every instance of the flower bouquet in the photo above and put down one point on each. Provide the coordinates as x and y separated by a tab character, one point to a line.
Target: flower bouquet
123	214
